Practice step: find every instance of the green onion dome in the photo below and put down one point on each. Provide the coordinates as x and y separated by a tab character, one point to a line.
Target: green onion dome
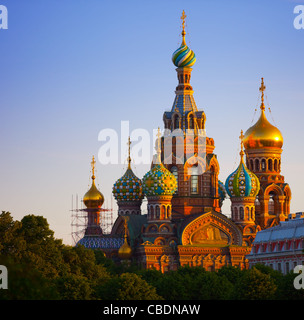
242	182
159	181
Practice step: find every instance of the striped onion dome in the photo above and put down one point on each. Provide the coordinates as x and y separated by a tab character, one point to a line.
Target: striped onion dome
183	57
242	182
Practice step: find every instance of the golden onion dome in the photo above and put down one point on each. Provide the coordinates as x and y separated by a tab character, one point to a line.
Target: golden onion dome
93	198
263	134
125	251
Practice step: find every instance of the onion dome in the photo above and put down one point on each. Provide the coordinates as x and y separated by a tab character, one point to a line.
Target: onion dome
125	251
93	198
128	187
183	56
242	182
159	181
263	134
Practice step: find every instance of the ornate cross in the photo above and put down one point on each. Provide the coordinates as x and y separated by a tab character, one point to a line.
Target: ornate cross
129	157
242	143
183	17
262	89
93	166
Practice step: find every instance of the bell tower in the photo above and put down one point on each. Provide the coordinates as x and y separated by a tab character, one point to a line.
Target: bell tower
263	147
186	151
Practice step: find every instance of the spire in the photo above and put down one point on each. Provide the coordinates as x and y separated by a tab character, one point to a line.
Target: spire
262	89
125	251
183	18
93	162
129	157
183	56
242	145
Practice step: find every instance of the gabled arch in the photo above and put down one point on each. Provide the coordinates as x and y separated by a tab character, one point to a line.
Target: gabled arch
273	188
195	160
215	220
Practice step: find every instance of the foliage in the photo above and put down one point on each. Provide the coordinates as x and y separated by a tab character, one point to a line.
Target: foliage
42	267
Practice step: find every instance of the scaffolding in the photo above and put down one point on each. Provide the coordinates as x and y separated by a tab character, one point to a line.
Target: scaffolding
79	219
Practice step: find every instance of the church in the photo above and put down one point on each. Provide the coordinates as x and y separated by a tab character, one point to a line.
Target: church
184	224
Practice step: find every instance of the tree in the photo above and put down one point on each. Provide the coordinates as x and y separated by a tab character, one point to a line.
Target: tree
11	242
255	285
43	251
133	287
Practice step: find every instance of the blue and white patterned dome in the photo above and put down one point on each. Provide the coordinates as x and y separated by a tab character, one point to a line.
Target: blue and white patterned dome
242	182
128	187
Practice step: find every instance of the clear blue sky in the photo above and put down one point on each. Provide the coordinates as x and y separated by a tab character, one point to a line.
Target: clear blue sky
72	68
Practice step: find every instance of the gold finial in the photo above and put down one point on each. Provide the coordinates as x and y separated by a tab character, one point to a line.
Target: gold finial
183	18
93	167
158	146
262	89
242	144
126	219
129	157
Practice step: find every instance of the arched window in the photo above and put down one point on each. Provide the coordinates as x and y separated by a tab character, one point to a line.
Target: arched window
241	213
175	173
251	164
236	214
157	212
191	121
176	122
257	165
271	203
276	165
194	180
263	165
270	164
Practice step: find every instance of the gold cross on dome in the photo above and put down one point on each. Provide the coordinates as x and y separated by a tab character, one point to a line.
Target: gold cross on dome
129	156
242	143
93	165
183	17
262	89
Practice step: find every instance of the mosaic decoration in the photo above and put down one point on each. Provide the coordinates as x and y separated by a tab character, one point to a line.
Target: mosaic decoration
93	242
159	181
242	183
128	187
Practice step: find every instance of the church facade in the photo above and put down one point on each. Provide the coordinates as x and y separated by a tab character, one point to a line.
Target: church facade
184	224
